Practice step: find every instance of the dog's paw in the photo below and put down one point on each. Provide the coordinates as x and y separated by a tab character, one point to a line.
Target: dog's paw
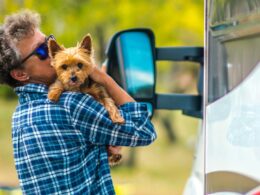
54	97
114	159
118	119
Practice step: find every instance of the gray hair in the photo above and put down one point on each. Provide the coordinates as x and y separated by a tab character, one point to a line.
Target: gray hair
15	28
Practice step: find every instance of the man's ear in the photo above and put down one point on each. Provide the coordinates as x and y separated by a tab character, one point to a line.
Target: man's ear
86	43
19	75
53	48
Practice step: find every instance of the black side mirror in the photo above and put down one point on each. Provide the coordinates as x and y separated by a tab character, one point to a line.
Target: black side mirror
131	62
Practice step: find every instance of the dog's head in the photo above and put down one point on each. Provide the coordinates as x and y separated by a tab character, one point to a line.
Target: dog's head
73	65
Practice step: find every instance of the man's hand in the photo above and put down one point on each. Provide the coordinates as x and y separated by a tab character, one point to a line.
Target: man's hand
114	90
104	68
99	75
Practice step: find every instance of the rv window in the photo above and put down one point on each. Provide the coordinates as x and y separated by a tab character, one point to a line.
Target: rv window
229	64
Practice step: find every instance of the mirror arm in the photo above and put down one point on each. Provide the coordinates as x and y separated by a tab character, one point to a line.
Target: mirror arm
189	104
175	101
192	113
194	54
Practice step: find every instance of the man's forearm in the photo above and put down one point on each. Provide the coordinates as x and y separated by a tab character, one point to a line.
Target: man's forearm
119	95
114	90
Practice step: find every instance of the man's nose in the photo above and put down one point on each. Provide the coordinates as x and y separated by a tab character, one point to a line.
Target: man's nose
73	78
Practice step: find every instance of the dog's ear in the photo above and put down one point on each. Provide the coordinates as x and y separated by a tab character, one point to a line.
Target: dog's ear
53	48
86	43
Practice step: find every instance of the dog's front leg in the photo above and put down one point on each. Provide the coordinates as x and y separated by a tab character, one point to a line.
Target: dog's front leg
55	91
101	95
112	109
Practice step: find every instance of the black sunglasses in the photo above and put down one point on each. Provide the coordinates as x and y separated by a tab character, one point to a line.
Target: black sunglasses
42	51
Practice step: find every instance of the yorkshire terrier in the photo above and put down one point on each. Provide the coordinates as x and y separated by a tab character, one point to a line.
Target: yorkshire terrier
73	67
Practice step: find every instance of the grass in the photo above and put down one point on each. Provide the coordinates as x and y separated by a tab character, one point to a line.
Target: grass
7	170
161	168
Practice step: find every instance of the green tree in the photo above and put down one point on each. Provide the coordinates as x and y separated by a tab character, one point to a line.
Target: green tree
174	22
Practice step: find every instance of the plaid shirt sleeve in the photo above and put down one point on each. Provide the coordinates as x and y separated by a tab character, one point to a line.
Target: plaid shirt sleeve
90	117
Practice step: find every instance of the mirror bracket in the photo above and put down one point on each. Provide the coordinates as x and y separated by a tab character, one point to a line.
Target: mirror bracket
193	54
175	101
189	104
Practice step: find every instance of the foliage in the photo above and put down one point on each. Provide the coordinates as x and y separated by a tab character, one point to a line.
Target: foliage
7	93
174	22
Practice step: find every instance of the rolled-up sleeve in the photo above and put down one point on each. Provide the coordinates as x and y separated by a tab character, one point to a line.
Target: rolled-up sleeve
93	120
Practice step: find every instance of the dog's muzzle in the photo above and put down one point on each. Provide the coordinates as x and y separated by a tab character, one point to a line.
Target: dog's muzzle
74	78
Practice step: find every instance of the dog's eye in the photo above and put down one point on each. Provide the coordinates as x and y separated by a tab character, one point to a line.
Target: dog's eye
80	65
64	66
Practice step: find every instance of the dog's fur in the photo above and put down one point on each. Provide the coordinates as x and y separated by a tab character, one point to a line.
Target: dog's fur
73	67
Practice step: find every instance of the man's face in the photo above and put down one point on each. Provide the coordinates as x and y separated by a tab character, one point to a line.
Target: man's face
38	71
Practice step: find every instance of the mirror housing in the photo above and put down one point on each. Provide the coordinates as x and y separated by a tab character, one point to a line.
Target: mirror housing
131	63
131	59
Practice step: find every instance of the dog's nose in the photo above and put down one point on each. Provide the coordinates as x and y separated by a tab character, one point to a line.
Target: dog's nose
73	78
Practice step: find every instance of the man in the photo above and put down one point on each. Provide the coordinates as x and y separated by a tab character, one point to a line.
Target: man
60	148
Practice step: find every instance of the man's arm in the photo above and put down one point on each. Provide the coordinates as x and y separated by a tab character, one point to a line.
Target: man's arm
92	119
115	91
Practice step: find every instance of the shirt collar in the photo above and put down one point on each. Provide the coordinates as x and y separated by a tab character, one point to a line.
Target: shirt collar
31	91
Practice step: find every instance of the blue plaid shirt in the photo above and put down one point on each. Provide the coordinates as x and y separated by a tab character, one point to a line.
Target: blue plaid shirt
60	148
